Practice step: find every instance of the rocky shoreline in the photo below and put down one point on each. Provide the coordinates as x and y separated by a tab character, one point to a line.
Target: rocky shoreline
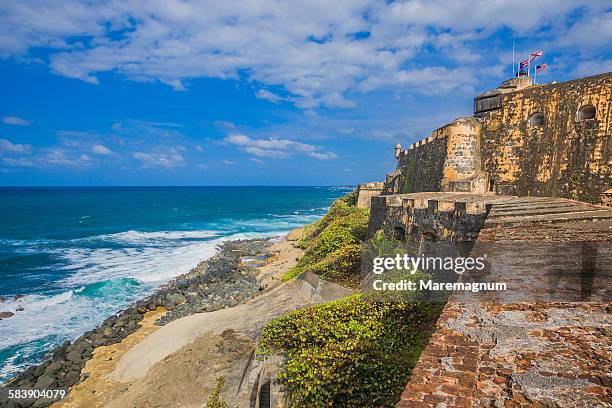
225	280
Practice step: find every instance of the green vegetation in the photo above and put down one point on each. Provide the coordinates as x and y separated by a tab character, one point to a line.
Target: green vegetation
353	352
333	244
215	399
357	351
408	176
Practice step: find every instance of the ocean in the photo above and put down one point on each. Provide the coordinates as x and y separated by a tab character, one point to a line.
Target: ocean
80	254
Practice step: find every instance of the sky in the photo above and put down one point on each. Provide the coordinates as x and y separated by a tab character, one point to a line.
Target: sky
260	92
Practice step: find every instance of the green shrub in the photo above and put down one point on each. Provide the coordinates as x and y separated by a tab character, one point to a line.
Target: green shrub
215	399
351	352
332	243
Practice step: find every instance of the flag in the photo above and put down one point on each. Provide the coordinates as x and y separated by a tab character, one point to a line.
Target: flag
541	67
535	55
523	65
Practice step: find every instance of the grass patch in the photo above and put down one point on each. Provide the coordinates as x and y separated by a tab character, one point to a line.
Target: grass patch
333	243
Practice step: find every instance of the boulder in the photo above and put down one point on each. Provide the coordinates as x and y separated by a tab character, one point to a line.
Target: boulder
45	382
73	377
6	315
42	403
173	299
74	356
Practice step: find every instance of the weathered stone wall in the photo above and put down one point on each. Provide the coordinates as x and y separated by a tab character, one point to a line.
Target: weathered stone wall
366	191
533	141
440	216
421	167
558	155
448	160
606	198
462	167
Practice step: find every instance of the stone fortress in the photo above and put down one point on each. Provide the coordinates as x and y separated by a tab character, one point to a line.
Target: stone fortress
524	139
526	183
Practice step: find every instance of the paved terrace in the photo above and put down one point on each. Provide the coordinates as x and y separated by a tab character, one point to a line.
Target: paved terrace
500	353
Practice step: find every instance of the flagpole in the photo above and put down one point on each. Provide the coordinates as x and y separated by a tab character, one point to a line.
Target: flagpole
514	73
528	65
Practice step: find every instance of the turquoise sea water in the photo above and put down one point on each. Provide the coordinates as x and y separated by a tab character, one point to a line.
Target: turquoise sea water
80	254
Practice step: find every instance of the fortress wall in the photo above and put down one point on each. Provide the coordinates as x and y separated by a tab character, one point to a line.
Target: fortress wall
366	191
448	160
422	166
564	156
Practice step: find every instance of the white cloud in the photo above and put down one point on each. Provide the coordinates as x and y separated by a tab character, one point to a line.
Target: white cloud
61	157
18	162
14	120
323	156
229	162
273	154
269	96
101	150
165	160
589	33
276	148
8	146
311	49
592	67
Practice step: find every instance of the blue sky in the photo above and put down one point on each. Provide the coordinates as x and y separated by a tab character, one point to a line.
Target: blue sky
259	92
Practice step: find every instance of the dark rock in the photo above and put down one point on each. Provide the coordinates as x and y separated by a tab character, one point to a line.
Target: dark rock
19	296
174	299
19	309
6	315
74	356
73	377
45	382
38	371
110	320
42	403
54	367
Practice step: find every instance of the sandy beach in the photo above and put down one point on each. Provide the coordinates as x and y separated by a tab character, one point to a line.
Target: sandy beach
178	364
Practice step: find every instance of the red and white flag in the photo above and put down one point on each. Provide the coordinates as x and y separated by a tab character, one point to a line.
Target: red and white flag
541	67
535	55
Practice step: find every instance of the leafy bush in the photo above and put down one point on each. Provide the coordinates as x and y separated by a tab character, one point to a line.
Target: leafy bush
332	243
351	352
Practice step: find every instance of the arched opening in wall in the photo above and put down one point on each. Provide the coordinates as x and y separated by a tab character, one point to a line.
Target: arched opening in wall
427	244
536	119
399	234
586	112
264	396
429	236
491	187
